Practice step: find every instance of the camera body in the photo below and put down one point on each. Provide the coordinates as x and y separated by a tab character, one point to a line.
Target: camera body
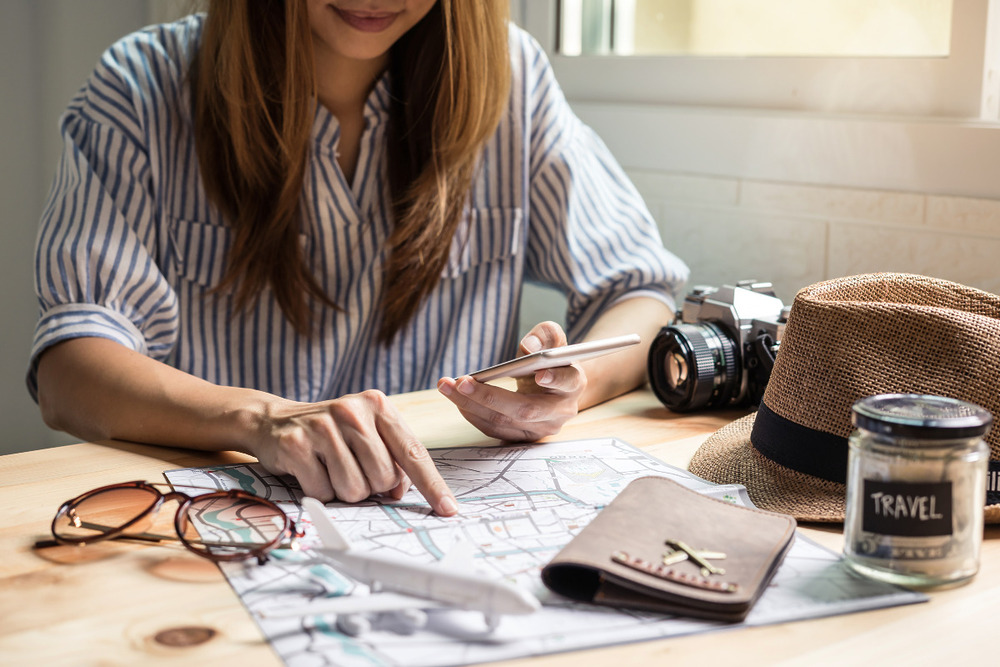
721	352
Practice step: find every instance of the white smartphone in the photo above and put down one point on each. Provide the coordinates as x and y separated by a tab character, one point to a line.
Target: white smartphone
556	356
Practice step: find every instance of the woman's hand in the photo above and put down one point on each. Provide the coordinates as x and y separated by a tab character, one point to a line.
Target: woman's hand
541	405
348	449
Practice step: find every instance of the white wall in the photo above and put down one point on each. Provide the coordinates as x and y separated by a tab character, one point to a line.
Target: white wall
47	49
795	235
748	179
795	198
19	193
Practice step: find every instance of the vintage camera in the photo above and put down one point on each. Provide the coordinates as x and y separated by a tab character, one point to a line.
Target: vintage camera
721	352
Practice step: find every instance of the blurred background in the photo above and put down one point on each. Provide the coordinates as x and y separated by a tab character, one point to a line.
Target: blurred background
788	141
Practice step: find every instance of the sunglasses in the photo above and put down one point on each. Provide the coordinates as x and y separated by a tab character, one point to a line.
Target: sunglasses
218	525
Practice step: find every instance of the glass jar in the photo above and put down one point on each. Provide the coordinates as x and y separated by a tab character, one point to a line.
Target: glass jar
916	488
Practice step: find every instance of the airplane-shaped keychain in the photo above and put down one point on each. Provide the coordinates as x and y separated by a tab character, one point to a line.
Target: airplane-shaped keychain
679	552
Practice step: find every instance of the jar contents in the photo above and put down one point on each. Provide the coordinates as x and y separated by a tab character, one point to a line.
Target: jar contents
916	488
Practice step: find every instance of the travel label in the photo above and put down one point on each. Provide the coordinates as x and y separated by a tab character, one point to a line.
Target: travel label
993	483
913	509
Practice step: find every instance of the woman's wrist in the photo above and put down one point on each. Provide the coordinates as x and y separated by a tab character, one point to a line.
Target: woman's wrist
247	423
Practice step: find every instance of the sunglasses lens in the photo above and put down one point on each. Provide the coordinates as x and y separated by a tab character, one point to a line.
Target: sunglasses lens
103	512
227	527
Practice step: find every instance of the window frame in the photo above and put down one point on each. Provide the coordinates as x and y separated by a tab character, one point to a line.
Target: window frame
678	121
959	86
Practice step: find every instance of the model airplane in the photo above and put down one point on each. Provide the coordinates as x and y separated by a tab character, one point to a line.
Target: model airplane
398	585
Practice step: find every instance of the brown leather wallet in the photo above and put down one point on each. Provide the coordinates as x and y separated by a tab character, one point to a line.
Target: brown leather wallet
661	547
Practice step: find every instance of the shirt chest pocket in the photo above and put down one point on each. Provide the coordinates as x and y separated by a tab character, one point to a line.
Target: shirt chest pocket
485	235
201	251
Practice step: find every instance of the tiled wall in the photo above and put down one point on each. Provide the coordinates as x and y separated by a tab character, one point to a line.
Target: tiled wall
794	235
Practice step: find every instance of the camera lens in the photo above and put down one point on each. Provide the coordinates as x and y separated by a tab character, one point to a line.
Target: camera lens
693	366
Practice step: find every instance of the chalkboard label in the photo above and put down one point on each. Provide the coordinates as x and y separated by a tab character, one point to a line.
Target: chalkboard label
993	483
912	509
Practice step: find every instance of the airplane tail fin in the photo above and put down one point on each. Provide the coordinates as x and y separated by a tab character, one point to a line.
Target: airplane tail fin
328	533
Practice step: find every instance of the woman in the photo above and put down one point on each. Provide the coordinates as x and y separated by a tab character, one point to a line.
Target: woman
267	218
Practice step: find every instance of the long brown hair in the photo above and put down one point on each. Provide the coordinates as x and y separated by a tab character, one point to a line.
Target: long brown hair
254	96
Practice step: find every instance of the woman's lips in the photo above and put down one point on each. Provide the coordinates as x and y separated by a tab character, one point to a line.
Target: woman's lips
367	22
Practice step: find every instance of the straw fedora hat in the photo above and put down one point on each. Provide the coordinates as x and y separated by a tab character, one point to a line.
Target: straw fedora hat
847	339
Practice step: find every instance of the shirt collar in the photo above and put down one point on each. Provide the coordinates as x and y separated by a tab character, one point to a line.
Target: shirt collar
326	125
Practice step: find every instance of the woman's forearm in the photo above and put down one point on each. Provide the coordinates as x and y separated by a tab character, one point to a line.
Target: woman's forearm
346	448
615	374
96	389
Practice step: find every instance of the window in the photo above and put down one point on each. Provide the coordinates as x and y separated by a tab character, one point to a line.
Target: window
915	123
941	64
824	28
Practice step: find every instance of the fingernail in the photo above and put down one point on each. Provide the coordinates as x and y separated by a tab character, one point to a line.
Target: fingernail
466	387
531	343
448	505
444	388
544	378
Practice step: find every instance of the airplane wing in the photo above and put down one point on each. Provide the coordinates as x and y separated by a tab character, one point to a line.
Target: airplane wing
355	604
459	557
331	537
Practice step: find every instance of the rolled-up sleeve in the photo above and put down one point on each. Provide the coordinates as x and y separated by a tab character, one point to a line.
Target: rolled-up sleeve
591	234
95	267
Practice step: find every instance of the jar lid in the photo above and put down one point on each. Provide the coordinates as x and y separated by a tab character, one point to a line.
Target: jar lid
920	416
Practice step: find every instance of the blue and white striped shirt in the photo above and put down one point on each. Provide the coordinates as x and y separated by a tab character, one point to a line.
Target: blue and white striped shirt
129	247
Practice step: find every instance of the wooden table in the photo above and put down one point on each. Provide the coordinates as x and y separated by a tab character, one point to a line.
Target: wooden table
133	604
